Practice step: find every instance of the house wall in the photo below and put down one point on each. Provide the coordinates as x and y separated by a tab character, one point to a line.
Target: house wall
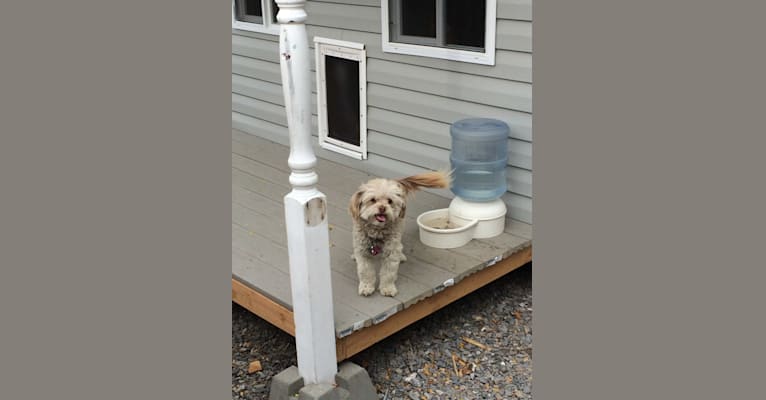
411	99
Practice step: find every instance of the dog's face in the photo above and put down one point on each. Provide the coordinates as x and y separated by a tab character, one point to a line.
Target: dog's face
379	202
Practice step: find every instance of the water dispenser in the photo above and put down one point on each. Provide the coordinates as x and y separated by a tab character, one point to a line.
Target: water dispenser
478	160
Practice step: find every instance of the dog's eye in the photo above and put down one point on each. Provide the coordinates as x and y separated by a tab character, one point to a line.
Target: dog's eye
372	200
390	201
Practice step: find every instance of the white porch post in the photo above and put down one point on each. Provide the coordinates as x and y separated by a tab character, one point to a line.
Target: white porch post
305	208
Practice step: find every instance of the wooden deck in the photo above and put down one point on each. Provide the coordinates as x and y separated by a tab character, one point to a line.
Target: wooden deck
429	279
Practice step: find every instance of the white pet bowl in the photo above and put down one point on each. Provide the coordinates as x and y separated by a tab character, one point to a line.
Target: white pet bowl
438	230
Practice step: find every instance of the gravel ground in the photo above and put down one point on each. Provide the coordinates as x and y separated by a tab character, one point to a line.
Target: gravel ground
479	347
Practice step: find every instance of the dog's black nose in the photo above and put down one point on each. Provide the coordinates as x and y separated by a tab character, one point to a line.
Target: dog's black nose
382	209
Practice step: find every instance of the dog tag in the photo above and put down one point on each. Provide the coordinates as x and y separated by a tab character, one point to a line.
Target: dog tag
375	250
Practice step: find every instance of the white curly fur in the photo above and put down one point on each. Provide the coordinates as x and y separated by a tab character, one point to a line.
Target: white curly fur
378	214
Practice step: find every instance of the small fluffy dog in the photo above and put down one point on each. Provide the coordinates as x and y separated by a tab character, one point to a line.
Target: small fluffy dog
378	209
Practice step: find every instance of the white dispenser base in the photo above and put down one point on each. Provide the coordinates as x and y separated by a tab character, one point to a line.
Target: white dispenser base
447	228
491	216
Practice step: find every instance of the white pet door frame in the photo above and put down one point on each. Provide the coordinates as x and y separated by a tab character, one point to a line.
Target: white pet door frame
345	51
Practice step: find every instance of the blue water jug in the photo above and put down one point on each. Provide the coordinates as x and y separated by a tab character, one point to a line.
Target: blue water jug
479	156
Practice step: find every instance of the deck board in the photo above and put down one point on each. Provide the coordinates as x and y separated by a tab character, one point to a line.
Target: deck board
431	267
262	157
344	284
244	264
338	199
416	280
259	254
337	214
340	227
254	255
336	180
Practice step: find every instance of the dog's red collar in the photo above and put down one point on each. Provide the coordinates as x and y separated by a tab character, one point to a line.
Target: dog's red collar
375	247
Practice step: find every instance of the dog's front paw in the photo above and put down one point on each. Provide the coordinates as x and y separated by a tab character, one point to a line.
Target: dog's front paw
388	290
366	289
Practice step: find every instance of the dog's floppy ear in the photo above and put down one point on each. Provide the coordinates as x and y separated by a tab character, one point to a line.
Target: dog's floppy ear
403	210
354	205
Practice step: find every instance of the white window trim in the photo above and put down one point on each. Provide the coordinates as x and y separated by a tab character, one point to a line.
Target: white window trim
266	27
351	51
485	58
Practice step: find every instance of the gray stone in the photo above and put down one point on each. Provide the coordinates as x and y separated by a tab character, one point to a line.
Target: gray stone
286	384
356	381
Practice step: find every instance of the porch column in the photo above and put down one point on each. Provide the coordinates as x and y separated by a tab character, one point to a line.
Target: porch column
308	241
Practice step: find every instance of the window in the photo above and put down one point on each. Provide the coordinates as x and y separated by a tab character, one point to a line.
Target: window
255	15
342	96
460	30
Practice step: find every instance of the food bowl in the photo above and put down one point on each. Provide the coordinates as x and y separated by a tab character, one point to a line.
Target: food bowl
438	230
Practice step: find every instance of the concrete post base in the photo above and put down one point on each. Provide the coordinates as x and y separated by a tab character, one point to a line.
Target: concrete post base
356	380
352	381
286	384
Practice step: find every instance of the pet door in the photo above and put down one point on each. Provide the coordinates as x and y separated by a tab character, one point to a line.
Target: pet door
342	96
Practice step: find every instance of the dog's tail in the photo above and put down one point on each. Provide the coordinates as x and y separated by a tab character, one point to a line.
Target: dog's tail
432	179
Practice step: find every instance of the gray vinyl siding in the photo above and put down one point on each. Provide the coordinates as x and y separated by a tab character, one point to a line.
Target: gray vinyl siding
411	100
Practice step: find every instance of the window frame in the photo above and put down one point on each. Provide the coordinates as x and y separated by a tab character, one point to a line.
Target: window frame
265	26
424	49
350	51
